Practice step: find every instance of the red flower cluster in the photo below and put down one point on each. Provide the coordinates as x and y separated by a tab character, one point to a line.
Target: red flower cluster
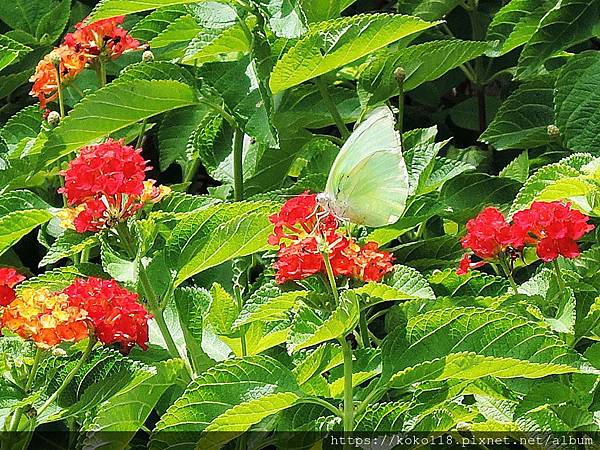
114	312
106	185
552	227
303	231
9	278
101	38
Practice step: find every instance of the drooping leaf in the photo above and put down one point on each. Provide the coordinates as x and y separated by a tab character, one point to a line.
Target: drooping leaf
68	244
427	9
111	8
334	43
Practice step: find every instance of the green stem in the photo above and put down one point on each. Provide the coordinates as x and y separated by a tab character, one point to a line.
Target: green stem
238	296
339	122
364	329
140	138
331	278
220	110
372	396
70	376
559	278
508	274
348	389
191	172
238	161
84	256
16	418
61	100
101	73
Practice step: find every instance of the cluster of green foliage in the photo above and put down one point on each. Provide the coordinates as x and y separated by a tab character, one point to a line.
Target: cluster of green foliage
247	102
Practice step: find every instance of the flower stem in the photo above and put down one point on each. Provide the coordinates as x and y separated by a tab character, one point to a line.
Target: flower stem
238	160
400	75
559	278
61	100
16	418
70	376
348	389
364	329
101	73
238	296
331	277
508	274
339	122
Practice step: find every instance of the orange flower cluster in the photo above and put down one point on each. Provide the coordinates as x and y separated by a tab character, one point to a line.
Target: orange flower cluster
46	318
46	78
103	39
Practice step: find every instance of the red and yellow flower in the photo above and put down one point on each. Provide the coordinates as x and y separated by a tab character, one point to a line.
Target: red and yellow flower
48	319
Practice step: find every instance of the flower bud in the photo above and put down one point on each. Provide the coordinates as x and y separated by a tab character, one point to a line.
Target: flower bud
553	132
55	58
400	74
147	56
53	118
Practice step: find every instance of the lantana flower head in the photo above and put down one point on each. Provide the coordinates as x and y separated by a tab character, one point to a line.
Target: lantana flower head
114	312
306	234
9	278
105	185
46	78
46	318
102	38
553	227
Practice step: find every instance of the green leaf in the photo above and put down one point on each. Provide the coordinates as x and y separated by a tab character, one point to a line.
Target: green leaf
427	9
269	303
470	343
311	327
173	40
53	23
569	22
517	169
332	44
20	213
112	108
217	234
10	50
422	63
68	244
111	8
29	16
576	102
432	253
515	23
522	120
21	130
224	402
57	279
544	177
217	45
127	410
447	283
287	18
467	194
155	22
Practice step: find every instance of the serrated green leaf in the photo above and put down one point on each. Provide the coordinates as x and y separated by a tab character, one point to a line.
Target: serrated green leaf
20	213
311	327
216	45
113	108
229	397
522	120
576	102
422	63
10	50
217	234
470	343
68	244
334	43
544	177
447	283
129	408
57	279
427	9
155	22
569	22
111	8
517	169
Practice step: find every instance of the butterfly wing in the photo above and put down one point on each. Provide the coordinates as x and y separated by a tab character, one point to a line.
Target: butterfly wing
368	182
374	192
373	134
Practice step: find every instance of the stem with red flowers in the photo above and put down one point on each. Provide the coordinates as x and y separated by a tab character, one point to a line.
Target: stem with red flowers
508	274
559	278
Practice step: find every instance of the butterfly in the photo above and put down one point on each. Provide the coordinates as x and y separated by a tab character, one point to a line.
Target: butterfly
368	181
